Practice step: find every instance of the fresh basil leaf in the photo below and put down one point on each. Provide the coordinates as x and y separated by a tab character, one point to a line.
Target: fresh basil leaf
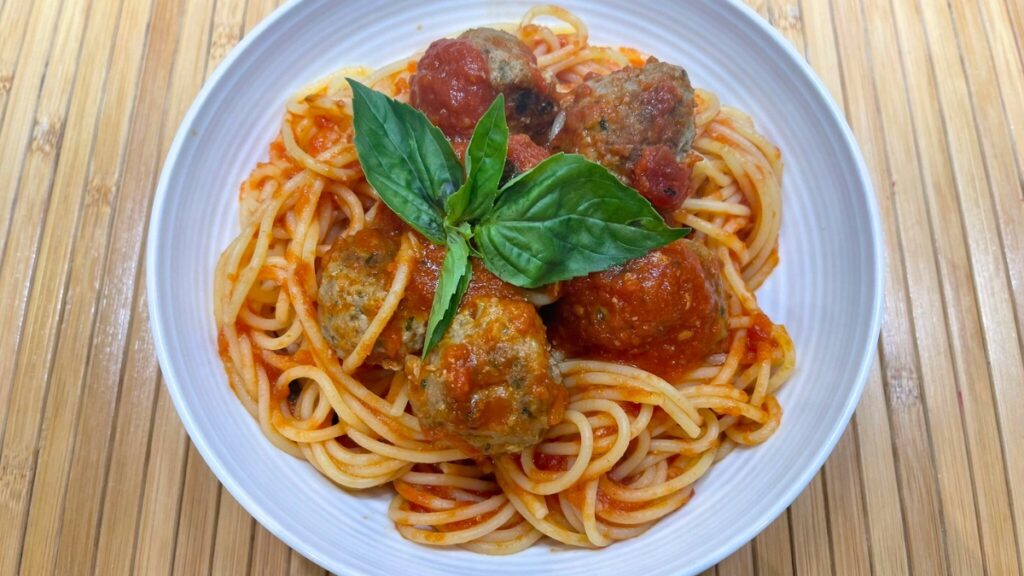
567	217
406	159
451	287
485	162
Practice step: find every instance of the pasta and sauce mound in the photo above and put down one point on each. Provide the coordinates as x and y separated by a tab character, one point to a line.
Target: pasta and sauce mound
417	340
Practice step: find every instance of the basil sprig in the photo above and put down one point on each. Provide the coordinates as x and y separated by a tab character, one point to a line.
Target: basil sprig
451	286
565	217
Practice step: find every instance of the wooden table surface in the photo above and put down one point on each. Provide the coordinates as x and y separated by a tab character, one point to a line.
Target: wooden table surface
98	476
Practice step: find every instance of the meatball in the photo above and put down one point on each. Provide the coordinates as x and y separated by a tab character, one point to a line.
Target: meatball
457	80
490	383
638	123
354	281
669	303
523	154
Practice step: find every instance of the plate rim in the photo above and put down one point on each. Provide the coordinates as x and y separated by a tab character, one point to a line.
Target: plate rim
726	546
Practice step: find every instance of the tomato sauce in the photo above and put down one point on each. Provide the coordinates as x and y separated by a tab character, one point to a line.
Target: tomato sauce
273	372
660	178
606	502
468	522
452	97
471	368
663	313
759	338
550	462
760	332
523	154
423	282
328	133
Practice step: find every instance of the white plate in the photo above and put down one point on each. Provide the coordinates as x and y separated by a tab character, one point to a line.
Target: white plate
828	289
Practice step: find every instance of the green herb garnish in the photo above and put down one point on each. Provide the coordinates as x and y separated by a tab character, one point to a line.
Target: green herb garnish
565	217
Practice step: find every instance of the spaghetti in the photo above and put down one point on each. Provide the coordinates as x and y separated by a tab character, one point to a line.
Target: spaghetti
631	444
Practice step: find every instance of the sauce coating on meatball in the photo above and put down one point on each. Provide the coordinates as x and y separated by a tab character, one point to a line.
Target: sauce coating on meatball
661	312
456	80
354	281
523	154
452	86
490	384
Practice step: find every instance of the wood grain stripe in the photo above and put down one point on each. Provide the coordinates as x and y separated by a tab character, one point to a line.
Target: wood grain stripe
15	132
75	217
845	485
962	247
131	486
186	78
21	437
995	113
13	20
912	428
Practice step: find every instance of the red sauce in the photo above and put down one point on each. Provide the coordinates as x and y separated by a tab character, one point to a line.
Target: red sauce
663	312
660	101
660	178
606	502
576	495
277	150
457	361
415	494
468	522
328	134
636	59
423	282
391	339
523	154
303	358
467	371
759	338
460	145
666	359
304	274
453	97
760	331
550	462
417	508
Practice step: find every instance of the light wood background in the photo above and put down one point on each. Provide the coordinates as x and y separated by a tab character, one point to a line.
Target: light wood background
98	476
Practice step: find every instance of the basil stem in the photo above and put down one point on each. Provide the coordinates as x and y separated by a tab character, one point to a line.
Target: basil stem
451	286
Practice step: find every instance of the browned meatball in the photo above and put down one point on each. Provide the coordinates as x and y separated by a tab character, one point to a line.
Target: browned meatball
490	384
665	308
638	123
456	80
354	281
523	154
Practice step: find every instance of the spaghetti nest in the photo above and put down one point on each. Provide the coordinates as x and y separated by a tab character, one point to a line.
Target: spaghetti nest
631	444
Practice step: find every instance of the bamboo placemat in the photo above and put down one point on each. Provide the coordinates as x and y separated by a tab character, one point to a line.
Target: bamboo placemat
97	474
